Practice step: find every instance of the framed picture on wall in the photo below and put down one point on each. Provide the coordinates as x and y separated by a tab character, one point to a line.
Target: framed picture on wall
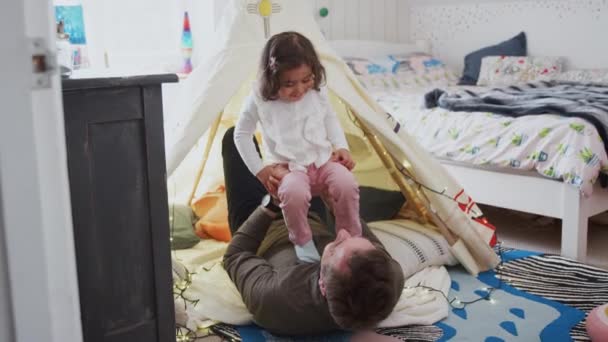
70	13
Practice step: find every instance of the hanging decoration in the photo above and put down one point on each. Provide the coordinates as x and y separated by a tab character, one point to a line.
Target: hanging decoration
265	9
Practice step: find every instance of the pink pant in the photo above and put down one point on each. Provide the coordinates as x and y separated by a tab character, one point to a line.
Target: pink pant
297	188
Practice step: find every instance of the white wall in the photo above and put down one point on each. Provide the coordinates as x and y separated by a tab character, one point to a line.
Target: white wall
364	19
144	33
6	313
572	28
148	31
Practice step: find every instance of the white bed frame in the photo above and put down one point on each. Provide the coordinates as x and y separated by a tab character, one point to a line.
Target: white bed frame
532	193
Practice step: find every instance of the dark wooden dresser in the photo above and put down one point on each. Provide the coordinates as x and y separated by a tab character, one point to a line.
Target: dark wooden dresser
116	163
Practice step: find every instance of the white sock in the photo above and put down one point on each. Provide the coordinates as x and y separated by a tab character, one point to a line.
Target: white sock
308	252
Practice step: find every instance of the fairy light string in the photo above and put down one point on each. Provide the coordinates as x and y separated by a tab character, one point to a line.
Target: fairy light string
180	287
455	302
183	333
459	304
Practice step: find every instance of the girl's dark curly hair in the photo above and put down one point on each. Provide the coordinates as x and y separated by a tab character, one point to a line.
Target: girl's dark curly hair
286	51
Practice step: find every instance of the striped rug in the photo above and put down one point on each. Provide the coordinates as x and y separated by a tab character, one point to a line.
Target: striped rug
562	280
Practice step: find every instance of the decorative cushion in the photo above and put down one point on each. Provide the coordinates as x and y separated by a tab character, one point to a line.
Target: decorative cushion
516	46
364	66
393	72
504	70
182	226
397	82
419	62
378	65
373	48
431	70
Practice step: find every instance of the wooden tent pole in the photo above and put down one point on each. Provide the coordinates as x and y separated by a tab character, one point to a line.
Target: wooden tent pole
420	202
389	164
212	133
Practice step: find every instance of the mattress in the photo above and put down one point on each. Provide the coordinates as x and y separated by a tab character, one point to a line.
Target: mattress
567	149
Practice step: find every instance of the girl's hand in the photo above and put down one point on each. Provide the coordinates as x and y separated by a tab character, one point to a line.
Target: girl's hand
270	177
343	157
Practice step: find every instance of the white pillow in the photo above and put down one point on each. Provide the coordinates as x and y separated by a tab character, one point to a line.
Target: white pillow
412	245
209	294
508	70
370	49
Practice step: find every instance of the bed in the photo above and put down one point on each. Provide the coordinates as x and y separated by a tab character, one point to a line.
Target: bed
547	165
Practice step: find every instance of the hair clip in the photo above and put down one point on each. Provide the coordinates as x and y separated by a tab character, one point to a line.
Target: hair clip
272	62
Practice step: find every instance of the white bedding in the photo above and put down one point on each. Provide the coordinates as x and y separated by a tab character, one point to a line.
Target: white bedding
569	149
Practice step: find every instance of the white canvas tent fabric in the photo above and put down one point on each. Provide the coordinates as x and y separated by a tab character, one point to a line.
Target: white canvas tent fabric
232	63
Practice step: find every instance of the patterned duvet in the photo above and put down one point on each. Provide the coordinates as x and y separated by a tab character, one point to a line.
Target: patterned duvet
567	149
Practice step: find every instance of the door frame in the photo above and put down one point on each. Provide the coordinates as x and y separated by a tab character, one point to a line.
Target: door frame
34	191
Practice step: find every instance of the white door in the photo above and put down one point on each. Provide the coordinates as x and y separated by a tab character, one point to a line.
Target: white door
37	257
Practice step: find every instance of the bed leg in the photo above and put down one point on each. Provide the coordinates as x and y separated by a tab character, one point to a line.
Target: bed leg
574	224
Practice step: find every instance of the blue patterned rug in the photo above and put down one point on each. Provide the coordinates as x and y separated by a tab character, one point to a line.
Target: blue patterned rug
508	314
529	297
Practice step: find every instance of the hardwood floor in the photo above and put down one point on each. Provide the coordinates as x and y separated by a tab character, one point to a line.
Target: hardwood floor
537	233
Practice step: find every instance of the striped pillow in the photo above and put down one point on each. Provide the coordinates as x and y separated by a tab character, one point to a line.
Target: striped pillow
412	245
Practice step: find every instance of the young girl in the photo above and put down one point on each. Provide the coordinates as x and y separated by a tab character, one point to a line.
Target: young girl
303	141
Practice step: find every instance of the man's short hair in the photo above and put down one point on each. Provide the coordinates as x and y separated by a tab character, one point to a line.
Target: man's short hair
365	294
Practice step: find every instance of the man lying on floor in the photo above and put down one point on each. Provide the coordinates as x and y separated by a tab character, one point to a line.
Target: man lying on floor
347	289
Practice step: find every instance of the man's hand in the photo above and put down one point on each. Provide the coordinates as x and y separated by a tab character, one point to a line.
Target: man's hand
270	176
343	157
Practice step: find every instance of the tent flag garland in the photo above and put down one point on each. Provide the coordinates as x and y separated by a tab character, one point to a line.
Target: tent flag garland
212	92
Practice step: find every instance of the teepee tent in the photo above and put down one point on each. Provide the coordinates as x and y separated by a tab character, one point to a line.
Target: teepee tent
214	90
